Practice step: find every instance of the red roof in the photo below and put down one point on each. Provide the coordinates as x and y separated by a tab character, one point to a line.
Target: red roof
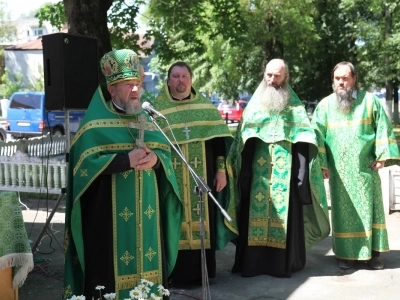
37	44
31	45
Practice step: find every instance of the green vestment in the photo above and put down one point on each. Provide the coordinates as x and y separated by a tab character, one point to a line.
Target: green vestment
193	122
148	96
272	164
139	199
350	142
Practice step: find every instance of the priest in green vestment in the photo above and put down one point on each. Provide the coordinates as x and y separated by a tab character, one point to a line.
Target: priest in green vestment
123	212
196	126
282	208
357	139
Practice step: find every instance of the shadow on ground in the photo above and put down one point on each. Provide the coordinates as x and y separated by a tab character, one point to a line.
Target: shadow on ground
320	279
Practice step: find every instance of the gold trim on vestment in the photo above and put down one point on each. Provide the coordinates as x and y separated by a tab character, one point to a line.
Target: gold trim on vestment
378	226
352	234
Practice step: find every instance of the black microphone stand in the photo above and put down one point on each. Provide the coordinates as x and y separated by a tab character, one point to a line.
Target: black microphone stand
200	189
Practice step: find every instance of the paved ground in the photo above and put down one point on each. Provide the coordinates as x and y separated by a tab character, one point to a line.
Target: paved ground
320	279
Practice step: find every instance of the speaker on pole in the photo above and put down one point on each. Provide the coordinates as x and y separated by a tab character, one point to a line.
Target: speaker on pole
70	70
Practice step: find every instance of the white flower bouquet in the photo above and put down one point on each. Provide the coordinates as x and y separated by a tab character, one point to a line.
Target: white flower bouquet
140	292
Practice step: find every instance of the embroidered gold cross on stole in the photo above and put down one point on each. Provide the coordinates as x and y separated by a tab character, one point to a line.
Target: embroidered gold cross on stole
141	126
186	131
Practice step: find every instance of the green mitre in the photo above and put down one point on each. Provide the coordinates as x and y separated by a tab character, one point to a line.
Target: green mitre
120	65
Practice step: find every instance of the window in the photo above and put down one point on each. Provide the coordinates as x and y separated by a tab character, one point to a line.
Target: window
26	101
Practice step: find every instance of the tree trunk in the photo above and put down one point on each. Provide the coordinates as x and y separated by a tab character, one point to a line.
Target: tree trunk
89	18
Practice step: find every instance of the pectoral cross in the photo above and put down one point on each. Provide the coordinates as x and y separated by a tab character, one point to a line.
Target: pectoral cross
186	131
141	126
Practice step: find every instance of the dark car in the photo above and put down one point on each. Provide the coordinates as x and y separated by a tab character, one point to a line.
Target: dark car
232	112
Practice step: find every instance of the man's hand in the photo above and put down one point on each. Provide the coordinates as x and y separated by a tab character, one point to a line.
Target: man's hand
325	173
135	156
377	164
148	161
220	181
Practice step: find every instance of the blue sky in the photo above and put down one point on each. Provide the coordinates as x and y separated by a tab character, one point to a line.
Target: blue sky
18	7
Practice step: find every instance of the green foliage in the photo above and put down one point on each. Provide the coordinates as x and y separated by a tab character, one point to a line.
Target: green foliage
228	42
54	13
7	29
124	26
11	83
38	82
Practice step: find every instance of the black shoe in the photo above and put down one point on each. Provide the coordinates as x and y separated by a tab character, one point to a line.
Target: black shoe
375	263
345	264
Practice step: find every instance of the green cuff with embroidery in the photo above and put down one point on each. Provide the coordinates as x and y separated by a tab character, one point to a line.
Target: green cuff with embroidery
221	164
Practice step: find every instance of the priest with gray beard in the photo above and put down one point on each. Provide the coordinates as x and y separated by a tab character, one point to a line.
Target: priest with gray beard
279	189
357	140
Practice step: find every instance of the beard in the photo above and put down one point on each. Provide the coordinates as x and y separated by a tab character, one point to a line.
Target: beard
274	99
133	108
344	98
130	107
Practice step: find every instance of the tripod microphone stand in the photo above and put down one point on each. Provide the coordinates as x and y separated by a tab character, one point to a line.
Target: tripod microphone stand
200	189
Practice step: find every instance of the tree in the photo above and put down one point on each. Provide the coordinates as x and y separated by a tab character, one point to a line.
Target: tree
11	83
229	42
376	26
7	29
92	18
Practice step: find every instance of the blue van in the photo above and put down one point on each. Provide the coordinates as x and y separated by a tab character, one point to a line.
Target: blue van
27	117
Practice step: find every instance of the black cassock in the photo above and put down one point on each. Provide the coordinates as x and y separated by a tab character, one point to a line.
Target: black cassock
259	260
188	267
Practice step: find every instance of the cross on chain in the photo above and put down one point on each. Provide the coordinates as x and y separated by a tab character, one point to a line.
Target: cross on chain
186	131
141	126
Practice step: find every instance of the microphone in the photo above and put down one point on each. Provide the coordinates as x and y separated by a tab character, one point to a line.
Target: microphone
151	110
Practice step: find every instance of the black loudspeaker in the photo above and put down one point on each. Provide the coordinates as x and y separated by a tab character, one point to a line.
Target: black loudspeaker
70	70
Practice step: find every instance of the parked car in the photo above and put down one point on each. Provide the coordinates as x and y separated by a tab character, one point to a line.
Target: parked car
232	112
215	102
27	117
3	121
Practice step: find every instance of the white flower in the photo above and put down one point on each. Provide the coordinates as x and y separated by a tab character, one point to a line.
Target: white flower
136	293
146	282
109	296
77	297
100	287
163	291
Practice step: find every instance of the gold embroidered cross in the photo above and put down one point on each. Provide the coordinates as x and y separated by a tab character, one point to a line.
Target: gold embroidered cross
176	163
126	258
149	212
197	209
195	162
150	254
260	196
126	214
186	131
261	161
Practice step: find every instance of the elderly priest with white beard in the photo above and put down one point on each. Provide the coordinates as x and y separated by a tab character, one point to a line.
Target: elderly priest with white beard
282	208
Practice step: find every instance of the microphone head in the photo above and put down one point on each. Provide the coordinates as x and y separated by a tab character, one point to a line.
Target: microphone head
146	105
